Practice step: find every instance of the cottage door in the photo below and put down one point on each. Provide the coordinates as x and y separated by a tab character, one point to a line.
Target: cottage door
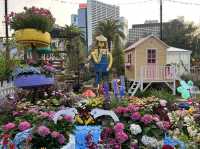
151	64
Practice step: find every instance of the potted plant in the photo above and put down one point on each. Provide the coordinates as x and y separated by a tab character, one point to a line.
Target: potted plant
32	25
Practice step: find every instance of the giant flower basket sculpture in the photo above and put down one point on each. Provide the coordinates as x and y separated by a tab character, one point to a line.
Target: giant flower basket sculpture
32	27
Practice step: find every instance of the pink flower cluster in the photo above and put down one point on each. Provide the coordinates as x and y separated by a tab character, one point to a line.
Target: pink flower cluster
24	125
164	125
120	135
43	131
146	119
60	137
135	116
121	110
8	126
68	118
114	141
133	108
49	114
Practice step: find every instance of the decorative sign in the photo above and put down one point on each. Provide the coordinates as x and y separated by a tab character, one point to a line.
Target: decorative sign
173	142
69	111
184	89
82	131
21	137
100	112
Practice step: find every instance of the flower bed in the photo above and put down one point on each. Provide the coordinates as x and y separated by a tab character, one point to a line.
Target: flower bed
144	122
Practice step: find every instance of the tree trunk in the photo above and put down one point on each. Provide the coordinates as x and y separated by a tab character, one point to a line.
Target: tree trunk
109	45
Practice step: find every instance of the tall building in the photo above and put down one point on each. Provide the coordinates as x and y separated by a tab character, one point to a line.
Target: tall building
82	19
96	12
74	19
124	21
142	30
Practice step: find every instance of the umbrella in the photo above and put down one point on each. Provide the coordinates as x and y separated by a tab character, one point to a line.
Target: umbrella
89	93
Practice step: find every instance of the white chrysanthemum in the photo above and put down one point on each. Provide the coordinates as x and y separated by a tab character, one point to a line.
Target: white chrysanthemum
135	129
192	132
149	141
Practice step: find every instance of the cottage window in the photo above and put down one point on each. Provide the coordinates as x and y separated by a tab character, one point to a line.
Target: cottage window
151	56
129	58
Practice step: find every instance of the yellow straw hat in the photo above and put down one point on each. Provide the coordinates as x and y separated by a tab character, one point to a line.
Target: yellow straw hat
101	38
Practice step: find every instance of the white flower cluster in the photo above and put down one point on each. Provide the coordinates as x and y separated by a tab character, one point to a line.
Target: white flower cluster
135	129
192	131
149	141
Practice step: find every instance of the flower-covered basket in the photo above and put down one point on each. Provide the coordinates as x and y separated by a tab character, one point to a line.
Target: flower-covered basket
31	35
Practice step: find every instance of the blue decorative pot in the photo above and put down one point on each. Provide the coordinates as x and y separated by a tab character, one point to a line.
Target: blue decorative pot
33	81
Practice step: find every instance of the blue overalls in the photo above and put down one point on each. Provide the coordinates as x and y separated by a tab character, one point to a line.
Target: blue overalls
100	69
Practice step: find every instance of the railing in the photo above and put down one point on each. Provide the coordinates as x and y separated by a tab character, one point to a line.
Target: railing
157	73
6	88
195	73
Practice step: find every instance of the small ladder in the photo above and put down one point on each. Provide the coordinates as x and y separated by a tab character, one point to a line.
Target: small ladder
134	87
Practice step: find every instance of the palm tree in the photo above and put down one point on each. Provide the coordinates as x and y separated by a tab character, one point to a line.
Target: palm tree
110	29
73	40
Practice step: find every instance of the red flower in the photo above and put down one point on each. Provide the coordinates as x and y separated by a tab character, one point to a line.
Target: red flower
167	147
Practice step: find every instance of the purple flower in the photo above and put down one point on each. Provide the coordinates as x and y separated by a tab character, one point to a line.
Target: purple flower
68	118
55	134
121	137
146	119
61	139
8	126
43	131
119	127
24	125
136	116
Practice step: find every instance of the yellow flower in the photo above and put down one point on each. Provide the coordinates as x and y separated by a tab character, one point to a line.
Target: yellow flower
191	110
78	119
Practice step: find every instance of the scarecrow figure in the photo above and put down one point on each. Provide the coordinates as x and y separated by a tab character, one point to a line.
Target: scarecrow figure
102	59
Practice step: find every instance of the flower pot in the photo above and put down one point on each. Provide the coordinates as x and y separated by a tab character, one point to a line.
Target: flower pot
33	36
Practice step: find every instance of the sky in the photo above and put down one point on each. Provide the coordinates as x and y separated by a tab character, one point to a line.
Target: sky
136	11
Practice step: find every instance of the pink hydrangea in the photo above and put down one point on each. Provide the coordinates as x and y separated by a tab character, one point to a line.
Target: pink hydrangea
119	127
164	125
43	131
121	110
51	115
33	110
156	118
133	108
55	134
68	118
146	119
24	125
121	137
44	114
136	116
61	139
8	126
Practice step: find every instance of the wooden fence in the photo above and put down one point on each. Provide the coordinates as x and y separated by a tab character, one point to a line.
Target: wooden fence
6	88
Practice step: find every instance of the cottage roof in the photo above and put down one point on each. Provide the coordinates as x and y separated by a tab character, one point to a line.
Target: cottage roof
134	45
173	49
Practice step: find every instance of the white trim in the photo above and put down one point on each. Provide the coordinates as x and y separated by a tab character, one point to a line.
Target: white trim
135	64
